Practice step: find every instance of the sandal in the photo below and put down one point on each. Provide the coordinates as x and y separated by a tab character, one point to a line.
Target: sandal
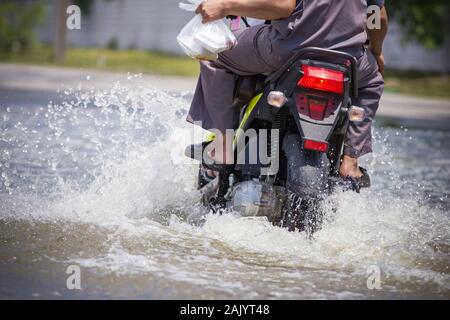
196	152
356	184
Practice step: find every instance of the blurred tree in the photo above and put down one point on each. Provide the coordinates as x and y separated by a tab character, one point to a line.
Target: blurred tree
426	21
17	24
60	42
85	5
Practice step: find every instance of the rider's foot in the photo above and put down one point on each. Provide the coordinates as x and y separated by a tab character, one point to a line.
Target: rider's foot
221	152
221	149
216	156
352	173
349	168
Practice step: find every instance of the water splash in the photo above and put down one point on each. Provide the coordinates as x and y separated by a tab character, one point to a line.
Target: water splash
106	158
99	151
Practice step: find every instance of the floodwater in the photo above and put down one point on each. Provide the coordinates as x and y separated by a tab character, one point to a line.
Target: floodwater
97	180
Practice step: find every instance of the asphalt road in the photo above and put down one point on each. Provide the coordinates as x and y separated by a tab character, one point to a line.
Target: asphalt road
30	85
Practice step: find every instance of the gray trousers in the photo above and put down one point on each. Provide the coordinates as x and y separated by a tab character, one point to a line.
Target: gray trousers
255	54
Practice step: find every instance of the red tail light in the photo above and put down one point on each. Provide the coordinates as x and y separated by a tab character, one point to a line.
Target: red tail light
315	145
322	79
317	108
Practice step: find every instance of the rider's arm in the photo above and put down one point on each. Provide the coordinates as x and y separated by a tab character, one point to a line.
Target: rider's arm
260	9
376	36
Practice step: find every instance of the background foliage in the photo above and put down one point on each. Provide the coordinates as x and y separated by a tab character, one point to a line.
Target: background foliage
17	24
426	21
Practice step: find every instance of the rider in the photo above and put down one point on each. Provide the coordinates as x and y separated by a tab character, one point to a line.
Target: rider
295	24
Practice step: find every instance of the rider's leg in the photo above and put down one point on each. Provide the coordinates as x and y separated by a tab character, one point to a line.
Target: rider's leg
359	135
211	106
221	150
213	98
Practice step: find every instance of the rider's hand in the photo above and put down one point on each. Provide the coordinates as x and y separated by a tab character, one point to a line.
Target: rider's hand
380	61
212	10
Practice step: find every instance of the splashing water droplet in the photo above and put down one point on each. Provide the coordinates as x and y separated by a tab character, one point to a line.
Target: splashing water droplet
104	167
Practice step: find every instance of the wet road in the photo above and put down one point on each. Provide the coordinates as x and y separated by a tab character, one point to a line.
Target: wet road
95	179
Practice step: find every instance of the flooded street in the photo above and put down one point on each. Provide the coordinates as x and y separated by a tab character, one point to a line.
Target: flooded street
97	179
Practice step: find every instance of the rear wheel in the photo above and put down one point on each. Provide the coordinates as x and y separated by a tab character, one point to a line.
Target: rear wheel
307	184
302	214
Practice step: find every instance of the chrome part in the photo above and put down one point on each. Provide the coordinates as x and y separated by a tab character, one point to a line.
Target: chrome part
256	198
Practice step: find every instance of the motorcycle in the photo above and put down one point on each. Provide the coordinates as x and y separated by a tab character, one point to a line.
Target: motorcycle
297	117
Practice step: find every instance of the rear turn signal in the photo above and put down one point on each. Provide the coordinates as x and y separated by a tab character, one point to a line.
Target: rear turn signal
276	99
356	114
321	79
315	145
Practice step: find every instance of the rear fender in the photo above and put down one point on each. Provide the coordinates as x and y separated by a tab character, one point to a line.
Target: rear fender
307	171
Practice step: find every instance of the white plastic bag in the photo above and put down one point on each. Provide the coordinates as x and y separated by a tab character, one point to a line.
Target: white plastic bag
190	45
204	41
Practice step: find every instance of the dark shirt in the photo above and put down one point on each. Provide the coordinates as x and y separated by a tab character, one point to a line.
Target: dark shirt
332	24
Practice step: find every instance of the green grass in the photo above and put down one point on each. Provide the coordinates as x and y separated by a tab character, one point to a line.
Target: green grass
418	83
137	61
